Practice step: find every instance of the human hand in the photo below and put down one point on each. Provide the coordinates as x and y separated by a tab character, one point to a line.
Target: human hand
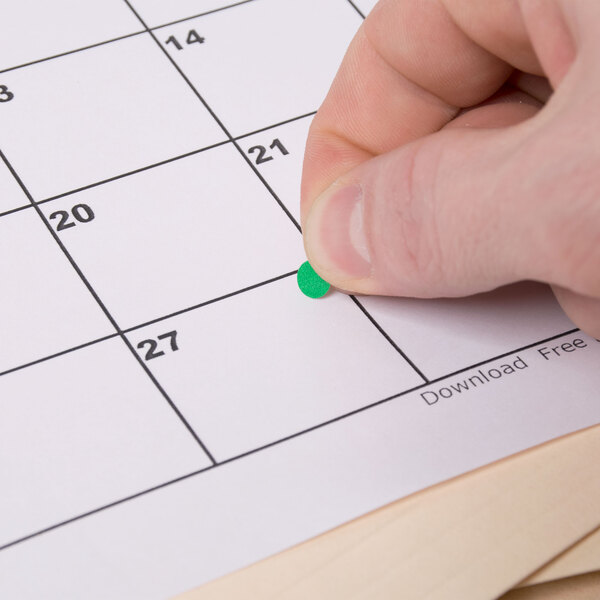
405	193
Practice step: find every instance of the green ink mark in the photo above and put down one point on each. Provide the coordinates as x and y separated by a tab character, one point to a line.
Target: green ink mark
310	283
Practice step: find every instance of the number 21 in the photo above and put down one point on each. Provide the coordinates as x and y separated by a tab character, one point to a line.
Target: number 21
262	151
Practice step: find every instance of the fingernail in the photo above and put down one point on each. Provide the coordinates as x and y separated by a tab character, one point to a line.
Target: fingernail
335	235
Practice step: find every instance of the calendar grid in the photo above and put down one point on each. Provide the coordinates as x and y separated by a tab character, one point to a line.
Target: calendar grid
104	309
154	165
122	332
214	116
147	323
262	179
282	440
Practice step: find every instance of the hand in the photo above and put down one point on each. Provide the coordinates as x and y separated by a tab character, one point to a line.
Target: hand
458	150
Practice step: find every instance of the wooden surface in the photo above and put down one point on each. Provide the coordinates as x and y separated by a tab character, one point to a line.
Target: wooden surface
582	587
474	537
583	557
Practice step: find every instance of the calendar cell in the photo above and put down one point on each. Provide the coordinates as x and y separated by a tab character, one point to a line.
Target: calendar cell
287	44
100	113
100	430
196	204
45	307
278	154
226	375
11	194
89	22
445	335
158	12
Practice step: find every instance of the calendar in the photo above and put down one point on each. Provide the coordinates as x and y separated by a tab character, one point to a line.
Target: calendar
172	407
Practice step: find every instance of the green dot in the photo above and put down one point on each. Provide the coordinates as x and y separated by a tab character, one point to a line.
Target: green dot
310	283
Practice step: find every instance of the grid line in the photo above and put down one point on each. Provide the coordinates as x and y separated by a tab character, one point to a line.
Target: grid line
211	301
68	52
353	5
58	354
388	338
15	210
119	38
203	14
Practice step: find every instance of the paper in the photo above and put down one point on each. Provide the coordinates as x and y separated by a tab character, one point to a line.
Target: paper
173	407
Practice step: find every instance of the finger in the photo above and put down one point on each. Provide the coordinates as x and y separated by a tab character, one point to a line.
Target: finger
506	108
582	310
422	220
410	68
465	210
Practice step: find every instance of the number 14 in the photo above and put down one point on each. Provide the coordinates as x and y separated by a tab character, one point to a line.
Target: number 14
192	38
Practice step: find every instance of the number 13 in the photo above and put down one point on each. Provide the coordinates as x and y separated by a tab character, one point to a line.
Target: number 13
5	94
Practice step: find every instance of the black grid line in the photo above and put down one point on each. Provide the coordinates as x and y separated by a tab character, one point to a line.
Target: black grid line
121	37
75	51
15	210
211	301
166	161
202	14
388	338
103	307
57	354
278	441
353	5
268	127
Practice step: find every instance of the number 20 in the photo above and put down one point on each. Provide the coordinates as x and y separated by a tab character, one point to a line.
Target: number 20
81	212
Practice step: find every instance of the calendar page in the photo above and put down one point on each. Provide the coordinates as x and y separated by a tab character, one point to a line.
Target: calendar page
172	407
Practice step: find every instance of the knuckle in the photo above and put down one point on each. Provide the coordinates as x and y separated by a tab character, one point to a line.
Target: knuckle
563	189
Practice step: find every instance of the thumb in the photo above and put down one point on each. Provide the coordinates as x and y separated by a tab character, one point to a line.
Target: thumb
441	216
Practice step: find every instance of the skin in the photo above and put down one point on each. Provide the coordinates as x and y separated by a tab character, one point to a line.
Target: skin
458	150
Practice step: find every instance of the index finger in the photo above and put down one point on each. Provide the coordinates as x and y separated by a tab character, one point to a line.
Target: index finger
410	68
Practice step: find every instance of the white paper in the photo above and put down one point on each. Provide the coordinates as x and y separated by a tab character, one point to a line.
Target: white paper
172	407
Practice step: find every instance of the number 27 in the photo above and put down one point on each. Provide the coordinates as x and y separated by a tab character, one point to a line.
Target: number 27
152	344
